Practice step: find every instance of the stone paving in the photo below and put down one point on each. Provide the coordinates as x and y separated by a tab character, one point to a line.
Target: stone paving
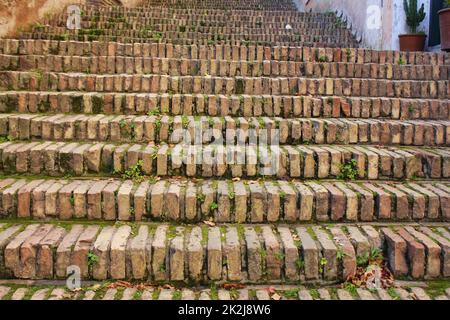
215	142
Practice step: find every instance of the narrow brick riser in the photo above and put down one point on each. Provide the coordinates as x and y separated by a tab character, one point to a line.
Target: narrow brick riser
167	129
307	162
224	105
224	201
130	37
223	68
226	4
212	254
219	52
424	89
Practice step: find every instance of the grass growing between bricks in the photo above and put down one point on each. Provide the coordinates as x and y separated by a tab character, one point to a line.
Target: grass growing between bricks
155	294
314	294
437	288
394	295
290	294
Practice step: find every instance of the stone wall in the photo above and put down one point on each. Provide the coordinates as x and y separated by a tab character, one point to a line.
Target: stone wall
15	14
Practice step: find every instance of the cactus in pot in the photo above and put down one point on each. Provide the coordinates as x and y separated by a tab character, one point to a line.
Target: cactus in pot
415	41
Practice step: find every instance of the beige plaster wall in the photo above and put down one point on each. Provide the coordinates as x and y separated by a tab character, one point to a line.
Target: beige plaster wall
356	13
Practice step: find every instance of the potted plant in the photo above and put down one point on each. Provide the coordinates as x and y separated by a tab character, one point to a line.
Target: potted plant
415	41
444	20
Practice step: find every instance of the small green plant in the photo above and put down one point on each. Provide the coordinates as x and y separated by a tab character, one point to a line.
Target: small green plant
262	253
375	256
157	36
279	256
154	112
176	295
135	172
362	260
348	53
213	206
323	59
234	294
340	255
291	294
323	262
72	200
414	16
214	292
401	62
348	170
394	295
314	294
157	124
351	288
300	264
92	259
201	197
185	122
6	138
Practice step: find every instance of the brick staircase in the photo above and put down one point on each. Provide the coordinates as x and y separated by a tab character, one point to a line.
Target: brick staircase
95	174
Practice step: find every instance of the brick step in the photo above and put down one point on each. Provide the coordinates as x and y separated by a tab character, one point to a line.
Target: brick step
205	39
15	290
219	52
294	86
220	35
105	2
307	162
224	68
224	105
235	4
206	14
188	24
149	25
205	130
250	33
227	7
249	254
224	201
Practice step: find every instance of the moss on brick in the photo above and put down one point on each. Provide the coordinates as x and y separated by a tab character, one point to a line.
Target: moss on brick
65	162
239	86
44	106
77	104
97	105
10	103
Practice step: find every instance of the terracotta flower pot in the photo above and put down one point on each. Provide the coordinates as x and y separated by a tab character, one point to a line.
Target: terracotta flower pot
444	19
412	42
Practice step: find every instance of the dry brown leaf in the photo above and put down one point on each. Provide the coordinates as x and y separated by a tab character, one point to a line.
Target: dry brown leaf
271	290
229	286
168	286
276	297
209	223
95	287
